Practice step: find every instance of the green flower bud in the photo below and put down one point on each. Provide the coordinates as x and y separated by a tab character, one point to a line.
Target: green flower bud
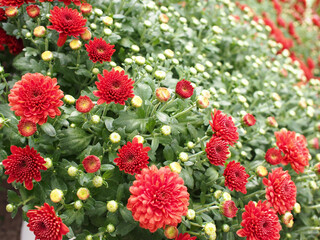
112	206
9	208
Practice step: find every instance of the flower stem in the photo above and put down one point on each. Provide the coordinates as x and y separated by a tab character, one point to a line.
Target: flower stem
184	111
303	229
313	206
260	192
167	104
207	209
196	154
195	224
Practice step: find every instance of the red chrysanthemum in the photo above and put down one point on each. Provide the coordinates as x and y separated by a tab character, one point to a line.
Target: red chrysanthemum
259	222
229	209
35	97
3	36
68	2
3	16
249	120
132	157
280	190
26	127
45	224
273	156
185	236
217	151
294	148
114	86
33	11
67	22
14	3
91	164
24	165
236	177
184	89
99	50
84	104
46	0
223	126
159	198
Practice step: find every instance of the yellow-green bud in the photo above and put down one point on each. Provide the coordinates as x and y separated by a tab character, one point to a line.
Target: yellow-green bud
75	44
89	237
136	101
225	228
108	21
210	229
115	137
83	193
226	196
72	171
78	205
9	208
48	163
139	138
217	194
135	48
97	181
190	145
166	130
56	195
297	208
110	228
160	75
140	60
95	119
95	71
175	167
191	214
169	53
183	156
112	206
39	31
69	99
47	56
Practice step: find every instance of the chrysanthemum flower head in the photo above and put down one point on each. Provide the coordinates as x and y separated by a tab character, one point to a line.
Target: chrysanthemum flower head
68	2
67	22
99	50
33	11
26	127
236	177
223	126
35	97
14	3
45	224
229	209
84	104
217	151
273	156
185	236
184	89
249	120
158	198
280	190
91	164
294	148
114	86
24	165
132	157
260	222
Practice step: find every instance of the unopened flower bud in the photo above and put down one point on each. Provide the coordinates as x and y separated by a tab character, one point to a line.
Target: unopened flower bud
171	232
169	53
72	171
69	99
11	12
226	196
110	228
56	195
39	31
86	36
97	181
202	102
108	21
78	205
313	185
115	137
95	71
175	167
217	194
136	101
86	8
162	94
210	229
9	208
262	171
140	60
89	237
183	156
190	145
166	130
160	75
271	121
297	208
47	56
225	228
75	44
48	163
213	236
112	206
83	193
275	96
139	138
95	119
135	48
93	26
191	214
147	23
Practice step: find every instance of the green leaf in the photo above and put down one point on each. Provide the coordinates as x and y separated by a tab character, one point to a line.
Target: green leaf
168	153
124	228
126	214
48	129
13	197
108	122
162	117
212	174
106	167
187	178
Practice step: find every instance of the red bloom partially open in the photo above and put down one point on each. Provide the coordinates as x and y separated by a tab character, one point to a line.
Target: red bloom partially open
132	157
273	156
217	151
24	165
14	3
33	11
68	2
26	127
184	89
91	164
294	148
236	177
249	120
35	97
259	222
158	198
99	50
114	86
84	104
67	22
45	224
229	209
223	126
280	190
